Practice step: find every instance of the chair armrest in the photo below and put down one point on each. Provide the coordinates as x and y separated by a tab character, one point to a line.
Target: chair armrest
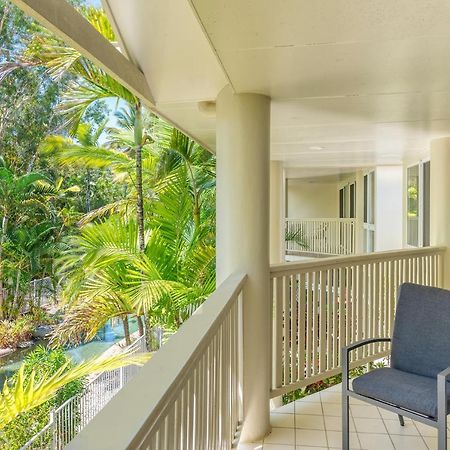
444	374
345	352
358	344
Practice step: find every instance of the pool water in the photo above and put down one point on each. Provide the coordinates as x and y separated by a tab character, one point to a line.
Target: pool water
109	335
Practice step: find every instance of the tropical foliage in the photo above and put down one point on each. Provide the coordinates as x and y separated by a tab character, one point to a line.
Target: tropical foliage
98	195
44	381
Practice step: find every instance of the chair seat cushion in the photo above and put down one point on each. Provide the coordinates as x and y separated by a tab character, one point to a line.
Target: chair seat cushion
407	390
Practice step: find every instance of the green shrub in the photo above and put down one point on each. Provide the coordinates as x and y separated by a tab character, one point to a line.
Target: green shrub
13	332
41	317
21	430
328	382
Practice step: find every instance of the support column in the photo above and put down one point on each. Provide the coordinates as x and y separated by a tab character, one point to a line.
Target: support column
277	249
440	200
243	155
359	227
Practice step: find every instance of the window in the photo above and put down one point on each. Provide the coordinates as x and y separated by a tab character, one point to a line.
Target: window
369	212
418	205
347	201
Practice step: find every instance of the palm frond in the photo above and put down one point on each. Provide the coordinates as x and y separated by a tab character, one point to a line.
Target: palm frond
26	393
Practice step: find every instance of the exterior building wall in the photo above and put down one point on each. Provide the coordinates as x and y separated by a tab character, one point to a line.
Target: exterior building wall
388	208
311	200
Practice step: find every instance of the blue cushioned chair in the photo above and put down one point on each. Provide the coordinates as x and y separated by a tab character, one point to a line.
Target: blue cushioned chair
415	385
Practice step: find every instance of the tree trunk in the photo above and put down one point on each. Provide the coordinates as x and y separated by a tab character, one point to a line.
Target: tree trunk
126	330
5	15
2	243
16	291
138	137
140	325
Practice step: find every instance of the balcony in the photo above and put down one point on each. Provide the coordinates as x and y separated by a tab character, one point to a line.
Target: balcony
191	394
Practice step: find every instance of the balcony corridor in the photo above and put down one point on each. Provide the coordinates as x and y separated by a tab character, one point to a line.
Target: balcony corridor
314	423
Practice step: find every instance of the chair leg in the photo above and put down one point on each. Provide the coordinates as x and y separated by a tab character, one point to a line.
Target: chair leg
442	412
442	434
401	420
345	423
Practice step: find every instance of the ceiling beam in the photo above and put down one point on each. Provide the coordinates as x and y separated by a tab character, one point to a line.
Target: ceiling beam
67	23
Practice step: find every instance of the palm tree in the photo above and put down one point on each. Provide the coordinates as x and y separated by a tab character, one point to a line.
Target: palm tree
89	85
18	194
25	393
108	276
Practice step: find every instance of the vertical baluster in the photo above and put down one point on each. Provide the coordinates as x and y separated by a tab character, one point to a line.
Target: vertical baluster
359	307
286	330
278	334
310	323
322	321
339	284
329	305
294	331
315	301
333	286
302	327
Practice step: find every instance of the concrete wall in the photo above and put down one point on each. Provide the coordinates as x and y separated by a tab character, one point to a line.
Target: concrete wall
388	208
311	200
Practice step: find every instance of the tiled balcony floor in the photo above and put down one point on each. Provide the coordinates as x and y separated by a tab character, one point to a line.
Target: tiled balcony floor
314	423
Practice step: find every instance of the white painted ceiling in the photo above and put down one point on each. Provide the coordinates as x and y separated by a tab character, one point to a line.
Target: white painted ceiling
354	83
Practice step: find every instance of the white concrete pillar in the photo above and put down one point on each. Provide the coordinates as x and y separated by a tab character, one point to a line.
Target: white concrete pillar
440	200
243	156
388	208
277	214
359	231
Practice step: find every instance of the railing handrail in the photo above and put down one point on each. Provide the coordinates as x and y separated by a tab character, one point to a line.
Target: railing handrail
295	266
321	219
169	367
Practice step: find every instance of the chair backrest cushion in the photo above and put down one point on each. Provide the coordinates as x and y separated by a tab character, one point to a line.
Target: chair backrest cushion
421	338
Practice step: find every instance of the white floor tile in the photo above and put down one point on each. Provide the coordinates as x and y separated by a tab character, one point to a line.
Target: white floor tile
253	446
314	398
335	440
301	425
393	426
385	414
311	438
408	442
278	447
285	409
426	430
376	442
333	423
282	420
302	447
309	422
281	436
370	412
432	442
365	425
332	409
308	408
330	397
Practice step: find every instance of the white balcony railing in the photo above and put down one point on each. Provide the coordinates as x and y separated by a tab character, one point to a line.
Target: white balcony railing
322	305
321	236
188	396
